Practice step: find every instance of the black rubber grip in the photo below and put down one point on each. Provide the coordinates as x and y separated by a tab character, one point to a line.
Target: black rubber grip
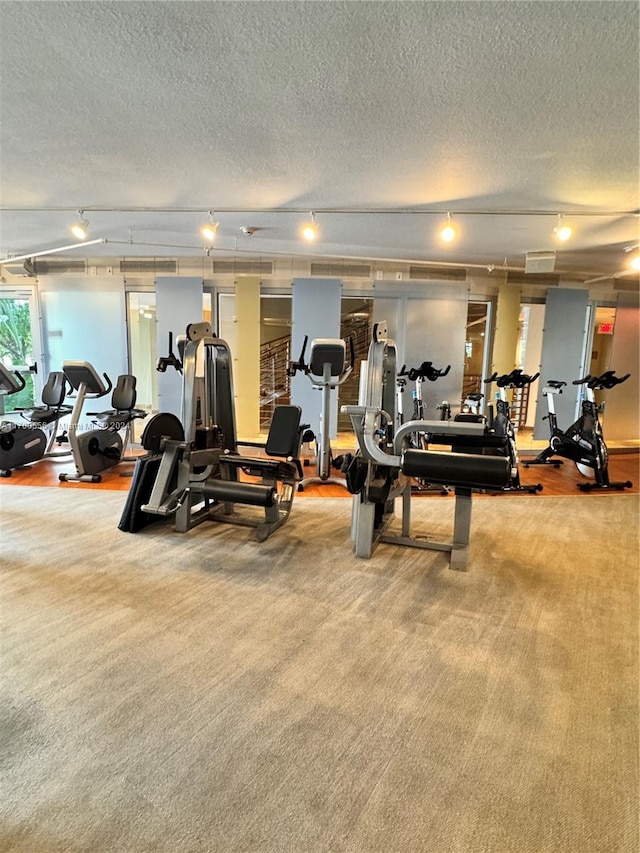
457	469
254	494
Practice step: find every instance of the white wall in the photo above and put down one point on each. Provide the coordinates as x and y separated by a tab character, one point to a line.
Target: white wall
84	319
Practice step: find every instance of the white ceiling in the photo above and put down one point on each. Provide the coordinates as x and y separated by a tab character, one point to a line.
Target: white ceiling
489	110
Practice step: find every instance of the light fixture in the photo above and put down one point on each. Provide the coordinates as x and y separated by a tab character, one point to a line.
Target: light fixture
80	229
634	260
310	229
562	231
209	229
448	233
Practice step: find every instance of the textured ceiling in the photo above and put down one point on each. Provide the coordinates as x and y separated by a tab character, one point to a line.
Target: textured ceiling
485	109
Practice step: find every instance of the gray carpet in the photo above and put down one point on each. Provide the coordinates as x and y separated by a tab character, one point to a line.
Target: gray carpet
203	692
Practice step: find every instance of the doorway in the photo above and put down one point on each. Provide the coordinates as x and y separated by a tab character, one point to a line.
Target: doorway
20	345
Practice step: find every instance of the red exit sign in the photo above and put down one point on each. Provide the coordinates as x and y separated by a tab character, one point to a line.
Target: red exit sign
605	329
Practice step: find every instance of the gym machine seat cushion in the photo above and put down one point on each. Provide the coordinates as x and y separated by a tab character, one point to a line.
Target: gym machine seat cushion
123	401
53	395
284	432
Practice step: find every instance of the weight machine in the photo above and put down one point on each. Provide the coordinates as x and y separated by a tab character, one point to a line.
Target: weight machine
193	471
384	465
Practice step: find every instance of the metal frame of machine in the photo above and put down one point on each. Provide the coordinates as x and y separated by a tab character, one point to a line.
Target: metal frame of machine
384	467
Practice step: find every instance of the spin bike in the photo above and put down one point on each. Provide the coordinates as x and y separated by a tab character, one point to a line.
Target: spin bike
583	443
418	375
417	440
327	369
502	427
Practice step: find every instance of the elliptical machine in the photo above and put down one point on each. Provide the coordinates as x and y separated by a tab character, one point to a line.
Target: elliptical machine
583	443
97	450
327	369
501	425
22	444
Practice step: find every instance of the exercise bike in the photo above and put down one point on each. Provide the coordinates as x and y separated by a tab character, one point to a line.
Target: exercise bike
327	369
22	444
583	443
419	440
418	375
97	450
501	425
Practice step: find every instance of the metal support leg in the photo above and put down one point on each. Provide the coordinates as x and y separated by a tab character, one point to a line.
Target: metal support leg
461	530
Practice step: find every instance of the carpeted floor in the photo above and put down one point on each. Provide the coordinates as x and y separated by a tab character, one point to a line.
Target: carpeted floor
203	692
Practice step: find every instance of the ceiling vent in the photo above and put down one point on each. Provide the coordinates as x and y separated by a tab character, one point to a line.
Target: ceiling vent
59	267
149	265
515	277
417	273
341	270
631	282
260	268
19	268
540	262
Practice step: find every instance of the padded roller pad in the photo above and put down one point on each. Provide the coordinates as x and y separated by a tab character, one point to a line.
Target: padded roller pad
458	469
253	494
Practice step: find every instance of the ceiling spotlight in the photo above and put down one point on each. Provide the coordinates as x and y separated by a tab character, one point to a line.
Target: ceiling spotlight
448	233
634	263
80	229
563	232
209	229
310	229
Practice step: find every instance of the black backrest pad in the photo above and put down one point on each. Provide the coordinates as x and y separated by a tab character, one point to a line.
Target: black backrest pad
124	394
327	351
457	469
53	393
284	433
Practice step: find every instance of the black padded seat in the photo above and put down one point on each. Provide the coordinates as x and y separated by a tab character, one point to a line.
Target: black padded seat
53	395
283	442
469	418
123	401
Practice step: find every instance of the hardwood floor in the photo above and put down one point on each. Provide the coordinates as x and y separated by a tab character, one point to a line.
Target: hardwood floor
561	481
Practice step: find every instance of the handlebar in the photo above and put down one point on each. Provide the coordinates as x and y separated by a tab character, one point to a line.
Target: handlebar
170	360
352	351
20	379
515	379
425	371
606	381
300	364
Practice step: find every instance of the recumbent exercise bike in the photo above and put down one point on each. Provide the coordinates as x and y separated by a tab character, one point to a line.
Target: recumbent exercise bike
97	450
22	444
